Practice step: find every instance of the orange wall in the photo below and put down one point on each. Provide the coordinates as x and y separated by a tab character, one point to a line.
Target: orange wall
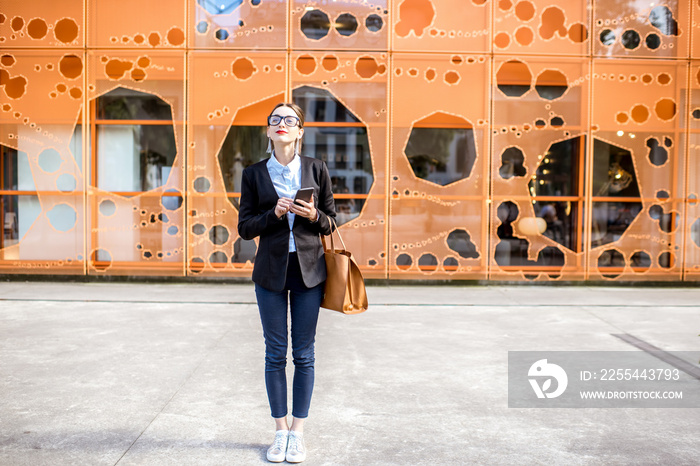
628	79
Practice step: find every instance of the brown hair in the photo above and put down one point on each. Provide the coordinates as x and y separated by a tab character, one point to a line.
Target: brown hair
297	109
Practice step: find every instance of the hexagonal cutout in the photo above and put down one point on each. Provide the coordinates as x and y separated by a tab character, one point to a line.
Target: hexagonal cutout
133	157
315	24
614	175
514	78
611	263
345	149
551	84
441	148
512	159
558	175
245	144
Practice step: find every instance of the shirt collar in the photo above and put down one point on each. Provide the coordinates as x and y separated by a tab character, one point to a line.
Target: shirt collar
274	164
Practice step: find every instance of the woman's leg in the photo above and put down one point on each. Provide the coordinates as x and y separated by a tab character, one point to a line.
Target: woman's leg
305	305
273	315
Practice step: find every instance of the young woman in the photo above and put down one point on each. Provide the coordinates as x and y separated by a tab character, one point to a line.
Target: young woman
289	265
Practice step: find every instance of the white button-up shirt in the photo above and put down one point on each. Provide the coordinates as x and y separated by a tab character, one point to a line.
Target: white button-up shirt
287	181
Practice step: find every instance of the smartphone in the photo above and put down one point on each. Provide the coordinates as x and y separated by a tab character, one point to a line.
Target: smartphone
304	194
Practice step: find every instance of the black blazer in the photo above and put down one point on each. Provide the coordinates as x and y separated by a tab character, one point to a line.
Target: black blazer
256	217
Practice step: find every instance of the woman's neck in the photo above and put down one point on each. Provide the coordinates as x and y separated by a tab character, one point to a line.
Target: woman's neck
284	153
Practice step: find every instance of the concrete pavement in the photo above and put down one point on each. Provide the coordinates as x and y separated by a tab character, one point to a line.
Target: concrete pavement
172	374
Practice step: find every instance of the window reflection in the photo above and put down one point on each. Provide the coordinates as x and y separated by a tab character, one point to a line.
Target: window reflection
243	146
441	155
611	220
616	199
17	212
558	193
127	104
10	161
136	155
344	148
320	106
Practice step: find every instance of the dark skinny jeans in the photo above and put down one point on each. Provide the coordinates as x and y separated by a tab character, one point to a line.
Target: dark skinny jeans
304	303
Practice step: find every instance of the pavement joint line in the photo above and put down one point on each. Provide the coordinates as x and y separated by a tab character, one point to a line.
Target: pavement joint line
184	382
665	356
546	305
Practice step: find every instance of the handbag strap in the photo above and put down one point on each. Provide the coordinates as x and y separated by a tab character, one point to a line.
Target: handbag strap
334	227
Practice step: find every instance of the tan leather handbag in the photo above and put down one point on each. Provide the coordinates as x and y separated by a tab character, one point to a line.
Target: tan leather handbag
345	287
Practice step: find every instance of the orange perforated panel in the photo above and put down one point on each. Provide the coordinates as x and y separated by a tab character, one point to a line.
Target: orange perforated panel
450	25
438	221
137	216
518	140
136	24
541	26
637	109
43	23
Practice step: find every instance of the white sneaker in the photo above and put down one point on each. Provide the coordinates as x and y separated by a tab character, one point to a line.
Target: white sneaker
296	452
276	452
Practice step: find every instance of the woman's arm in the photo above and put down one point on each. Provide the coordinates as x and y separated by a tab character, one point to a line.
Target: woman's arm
251	223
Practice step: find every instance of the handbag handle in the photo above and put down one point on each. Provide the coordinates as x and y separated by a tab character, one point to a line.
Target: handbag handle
334	227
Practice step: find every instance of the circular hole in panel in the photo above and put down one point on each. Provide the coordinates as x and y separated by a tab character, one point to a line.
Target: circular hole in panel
102	260
107	207
218	257
196	265
202	27
666	260
611	259
218	235
201	184
404	261
66	183
315	24
62	217
50	160
346	24
171	202
630	39
607	37
198	229
640	261
427	262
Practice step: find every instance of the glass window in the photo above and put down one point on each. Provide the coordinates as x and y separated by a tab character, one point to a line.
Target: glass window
441	155
243	146
558	194
616	198
135	141
336	136
17	212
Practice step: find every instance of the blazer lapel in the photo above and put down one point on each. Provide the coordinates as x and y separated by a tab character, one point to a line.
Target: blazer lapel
306	179
305	173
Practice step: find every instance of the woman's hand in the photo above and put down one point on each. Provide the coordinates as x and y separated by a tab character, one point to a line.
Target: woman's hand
283	206
304	209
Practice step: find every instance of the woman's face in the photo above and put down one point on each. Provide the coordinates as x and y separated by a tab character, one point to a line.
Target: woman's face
283	133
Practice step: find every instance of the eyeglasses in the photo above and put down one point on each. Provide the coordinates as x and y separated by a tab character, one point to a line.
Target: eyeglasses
291	121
